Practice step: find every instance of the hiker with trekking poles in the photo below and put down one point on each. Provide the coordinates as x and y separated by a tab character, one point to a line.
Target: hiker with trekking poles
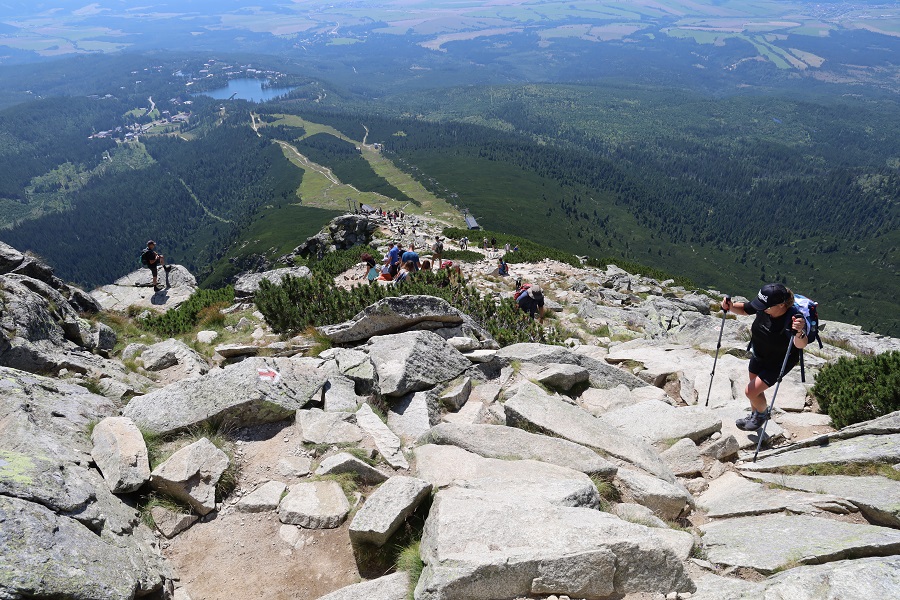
777	336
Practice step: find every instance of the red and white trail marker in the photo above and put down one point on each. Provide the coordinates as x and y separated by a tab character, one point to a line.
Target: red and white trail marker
269	375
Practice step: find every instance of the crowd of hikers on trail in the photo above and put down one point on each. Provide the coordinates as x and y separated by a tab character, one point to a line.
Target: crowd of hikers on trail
401	262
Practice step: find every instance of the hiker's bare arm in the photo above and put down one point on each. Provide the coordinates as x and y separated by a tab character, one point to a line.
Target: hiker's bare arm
735	307
799	332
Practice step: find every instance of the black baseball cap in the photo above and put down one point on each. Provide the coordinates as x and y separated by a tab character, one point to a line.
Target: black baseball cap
771	294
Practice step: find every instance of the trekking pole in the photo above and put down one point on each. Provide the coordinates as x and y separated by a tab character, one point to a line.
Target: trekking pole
718	345
762	434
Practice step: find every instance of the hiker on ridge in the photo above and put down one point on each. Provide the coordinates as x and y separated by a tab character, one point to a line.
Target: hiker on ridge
152	260
777	320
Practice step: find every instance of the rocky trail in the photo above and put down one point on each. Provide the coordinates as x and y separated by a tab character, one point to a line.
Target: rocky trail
234	463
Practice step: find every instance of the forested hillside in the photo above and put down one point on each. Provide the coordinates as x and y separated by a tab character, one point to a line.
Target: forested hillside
729	191
729	207
196	198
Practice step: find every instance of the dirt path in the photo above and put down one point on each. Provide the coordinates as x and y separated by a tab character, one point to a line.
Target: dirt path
249	556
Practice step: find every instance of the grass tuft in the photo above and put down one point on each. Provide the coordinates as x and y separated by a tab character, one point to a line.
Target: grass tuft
156	500
322	342
607	491
852	469
410	560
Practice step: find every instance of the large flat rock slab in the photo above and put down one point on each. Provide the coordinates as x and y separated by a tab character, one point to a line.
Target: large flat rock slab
683	457
247	285
135	290
319	427
668	500
499	441
655	421
482	544
389	587
878	498
414	361
733	496
263	499
236	396
770	542
532	407
412	415
385	510
598	402
862	449
314	505
400	314
601	374
44	555
864	579
445	466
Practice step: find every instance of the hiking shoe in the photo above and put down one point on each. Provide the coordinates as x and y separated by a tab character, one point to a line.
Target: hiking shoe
753	421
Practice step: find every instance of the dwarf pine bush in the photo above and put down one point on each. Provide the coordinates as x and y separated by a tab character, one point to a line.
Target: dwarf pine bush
859	389
298	303
186	316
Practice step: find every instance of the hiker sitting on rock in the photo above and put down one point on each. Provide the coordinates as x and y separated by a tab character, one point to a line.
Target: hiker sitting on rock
776	321
371	271
152	260
502	267
530	298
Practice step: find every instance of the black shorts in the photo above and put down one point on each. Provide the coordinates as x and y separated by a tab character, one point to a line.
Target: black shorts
769	373
153	269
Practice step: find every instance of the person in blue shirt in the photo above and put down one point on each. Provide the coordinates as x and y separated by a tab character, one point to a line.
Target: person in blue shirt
531	301
394	257
502	268
411	256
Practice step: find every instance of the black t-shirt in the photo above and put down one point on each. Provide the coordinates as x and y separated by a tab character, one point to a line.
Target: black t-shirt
149	257
770	337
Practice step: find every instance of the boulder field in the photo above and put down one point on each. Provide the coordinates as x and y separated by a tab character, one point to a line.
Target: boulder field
589	471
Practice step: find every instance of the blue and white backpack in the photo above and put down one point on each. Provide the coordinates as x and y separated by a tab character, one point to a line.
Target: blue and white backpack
808	308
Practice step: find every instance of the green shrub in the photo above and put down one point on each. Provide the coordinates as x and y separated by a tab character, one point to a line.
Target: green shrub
466	255
300	303
859	389
185	317
636	268
335	263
